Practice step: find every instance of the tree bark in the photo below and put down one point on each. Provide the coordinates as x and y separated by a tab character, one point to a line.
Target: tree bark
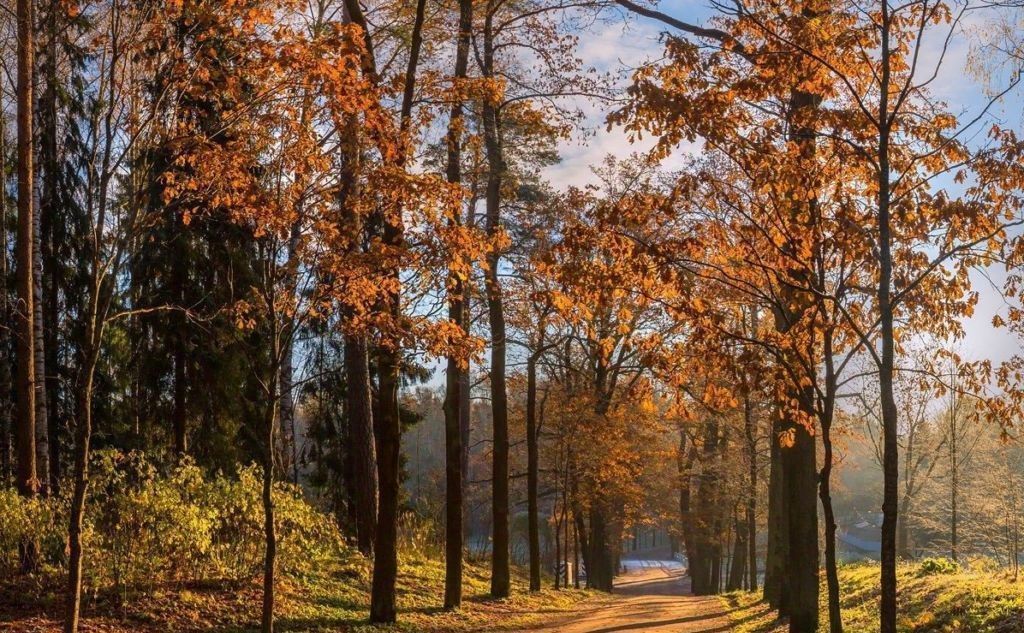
890	446
454	402
83	437
49	270
25	409
777	556
750	430
389	436
39	356
532	471
835	617
269	533
362	452
500	570
738	567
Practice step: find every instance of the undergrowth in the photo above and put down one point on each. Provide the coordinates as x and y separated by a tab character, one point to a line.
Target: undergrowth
935	596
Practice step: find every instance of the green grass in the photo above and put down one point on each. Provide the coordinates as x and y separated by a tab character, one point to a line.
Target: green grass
334	599
929	601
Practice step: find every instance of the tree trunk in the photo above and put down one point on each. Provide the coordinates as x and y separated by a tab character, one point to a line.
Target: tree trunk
362	452
179	341
835	618
269	533
39	356
500	571
49	270
6	430
83	437
750	430
890	446
801	499
454	402
389	437
738	567
27	479
532	471
777	556
600	572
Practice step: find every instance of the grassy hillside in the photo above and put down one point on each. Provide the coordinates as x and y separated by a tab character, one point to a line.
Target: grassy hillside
333	600
935	597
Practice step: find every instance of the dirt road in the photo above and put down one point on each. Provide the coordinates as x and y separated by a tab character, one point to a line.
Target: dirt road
653	595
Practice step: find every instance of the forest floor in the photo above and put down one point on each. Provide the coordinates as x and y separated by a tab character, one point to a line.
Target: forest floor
336	600
653	595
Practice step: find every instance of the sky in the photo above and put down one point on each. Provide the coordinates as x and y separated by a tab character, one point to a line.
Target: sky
619	44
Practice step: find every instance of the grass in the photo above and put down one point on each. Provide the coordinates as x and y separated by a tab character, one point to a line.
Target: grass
335	600
930	601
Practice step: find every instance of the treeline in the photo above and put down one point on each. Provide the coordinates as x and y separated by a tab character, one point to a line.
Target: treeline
234	230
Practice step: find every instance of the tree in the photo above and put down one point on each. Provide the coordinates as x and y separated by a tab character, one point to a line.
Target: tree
27	435
455	382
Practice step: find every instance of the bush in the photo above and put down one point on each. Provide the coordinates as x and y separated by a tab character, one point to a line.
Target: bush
44	520
937	566
143	528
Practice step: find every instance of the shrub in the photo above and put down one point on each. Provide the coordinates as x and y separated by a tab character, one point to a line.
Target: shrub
936	566
143	528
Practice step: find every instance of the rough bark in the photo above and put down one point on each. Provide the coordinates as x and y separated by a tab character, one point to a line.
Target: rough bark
456	369
362	452
83	437
500	570
777	557
25	406
738	566
39	356
389	435
750	430
835	617
269	533
532	472
49	269
886	369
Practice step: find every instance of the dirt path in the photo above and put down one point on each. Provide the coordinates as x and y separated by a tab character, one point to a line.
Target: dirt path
653	596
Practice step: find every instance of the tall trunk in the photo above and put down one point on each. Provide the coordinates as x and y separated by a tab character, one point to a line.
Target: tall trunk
180	413
750	430
532	471
388	422
27	480
389	436
269	431
83	437
361	472
500	571
777	556
6	447
798	461
954	483
738	567
286	411
600	571
362	452
48	267
454	402
835	617
890	447
39	356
